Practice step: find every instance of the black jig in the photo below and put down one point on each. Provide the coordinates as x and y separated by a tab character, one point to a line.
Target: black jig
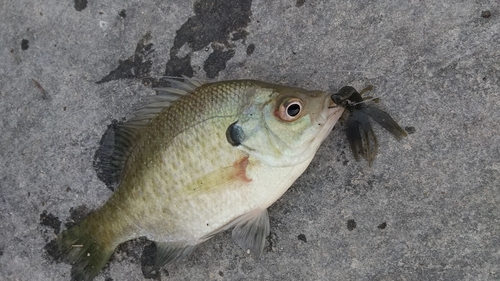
358	128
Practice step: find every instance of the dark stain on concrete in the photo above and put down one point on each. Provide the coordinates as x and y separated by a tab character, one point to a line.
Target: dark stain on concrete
410	130
250	49
136	66
302	238
216	61
382	225
216	23
351	225
104	165
148	259
80	5
25	44
52	252
48	219
177	67
76	215
213	23
485	14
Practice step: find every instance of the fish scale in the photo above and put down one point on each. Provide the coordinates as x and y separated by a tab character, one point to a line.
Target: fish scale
179	152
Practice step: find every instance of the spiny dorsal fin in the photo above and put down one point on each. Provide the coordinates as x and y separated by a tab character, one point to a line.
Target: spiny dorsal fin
166	95
251	230
120	138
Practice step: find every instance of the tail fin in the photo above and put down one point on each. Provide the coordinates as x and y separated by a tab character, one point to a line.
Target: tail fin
86	254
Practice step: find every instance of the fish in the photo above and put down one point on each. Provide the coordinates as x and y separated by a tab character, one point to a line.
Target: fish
202	158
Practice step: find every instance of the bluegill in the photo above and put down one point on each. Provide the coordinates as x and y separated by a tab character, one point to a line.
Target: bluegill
200	159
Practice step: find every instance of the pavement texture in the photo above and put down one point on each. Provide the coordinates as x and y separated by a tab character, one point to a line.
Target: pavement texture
427	209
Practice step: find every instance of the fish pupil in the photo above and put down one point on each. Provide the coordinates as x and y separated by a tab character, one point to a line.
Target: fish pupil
293	109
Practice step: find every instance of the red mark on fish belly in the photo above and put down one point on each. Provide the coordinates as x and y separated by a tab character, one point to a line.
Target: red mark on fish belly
241	169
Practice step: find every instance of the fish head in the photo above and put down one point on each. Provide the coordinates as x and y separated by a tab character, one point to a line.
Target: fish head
284	126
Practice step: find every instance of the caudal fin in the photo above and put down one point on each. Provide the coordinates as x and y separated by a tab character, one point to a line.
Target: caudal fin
86	254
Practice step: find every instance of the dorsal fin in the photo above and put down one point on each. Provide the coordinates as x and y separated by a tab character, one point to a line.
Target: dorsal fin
120	138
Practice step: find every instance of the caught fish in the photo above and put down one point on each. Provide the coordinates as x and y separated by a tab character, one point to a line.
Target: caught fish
201	159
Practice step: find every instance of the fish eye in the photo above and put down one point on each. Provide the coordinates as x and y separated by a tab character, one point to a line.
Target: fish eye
290	109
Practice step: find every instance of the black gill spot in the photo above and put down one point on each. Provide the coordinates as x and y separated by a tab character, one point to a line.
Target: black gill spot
351	225
302	237
25	44
48	219
221	273
80	5
299	3
235	134
382	225
250	49
136	66
122	14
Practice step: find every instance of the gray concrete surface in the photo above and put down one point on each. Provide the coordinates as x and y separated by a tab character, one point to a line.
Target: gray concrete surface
428	208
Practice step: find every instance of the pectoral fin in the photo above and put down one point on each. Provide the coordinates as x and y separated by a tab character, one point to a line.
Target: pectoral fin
251	231
219	179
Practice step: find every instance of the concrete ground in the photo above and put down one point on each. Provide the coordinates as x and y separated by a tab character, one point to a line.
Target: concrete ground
427	209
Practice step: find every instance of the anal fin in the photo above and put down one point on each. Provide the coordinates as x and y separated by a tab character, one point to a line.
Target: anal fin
251	230
168	252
